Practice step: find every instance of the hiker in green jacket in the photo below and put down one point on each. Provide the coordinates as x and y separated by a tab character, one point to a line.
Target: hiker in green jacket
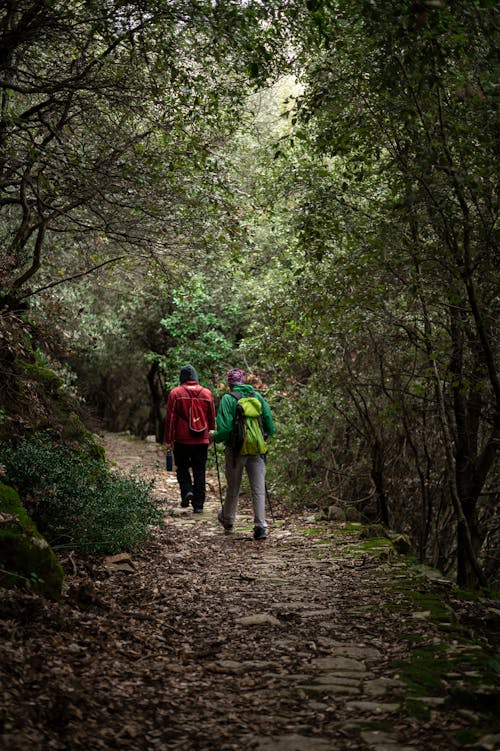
236	462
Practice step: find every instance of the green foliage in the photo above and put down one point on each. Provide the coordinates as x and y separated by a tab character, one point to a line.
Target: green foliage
200	330
77	501
351	222
123	156
383	314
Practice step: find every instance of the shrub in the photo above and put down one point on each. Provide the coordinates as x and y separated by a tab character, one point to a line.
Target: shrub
77	501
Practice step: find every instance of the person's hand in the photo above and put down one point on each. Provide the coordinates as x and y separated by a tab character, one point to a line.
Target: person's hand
211	435
168	446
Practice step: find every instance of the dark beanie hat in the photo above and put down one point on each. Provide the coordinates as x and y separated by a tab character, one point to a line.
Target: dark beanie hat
188	373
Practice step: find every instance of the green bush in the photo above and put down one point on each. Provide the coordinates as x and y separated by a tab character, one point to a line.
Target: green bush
77	501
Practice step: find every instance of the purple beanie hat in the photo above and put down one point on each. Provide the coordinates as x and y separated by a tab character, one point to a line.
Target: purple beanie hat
235	376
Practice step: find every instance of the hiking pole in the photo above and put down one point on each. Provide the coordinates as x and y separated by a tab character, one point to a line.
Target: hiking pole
268	496
218	474
270	504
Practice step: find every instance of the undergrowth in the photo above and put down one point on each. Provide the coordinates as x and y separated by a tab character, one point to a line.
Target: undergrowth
76	501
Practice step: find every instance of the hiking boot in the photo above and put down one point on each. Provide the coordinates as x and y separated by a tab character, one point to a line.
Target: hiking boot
228	526
259	533
187	499
198	510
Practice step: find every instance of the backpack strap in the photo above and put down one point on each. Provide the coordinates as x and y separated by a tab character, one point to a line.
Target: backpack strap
240	396
190	394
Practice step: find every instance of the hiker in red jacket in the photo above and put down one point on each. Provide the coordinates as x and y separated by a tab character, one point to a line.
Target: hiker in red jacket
190	415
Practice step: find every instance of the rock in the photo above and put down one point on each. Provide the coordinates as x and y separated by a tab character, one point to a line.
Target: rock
334	514
488	743
353	515
374	530
337	689
372	706
338	663
25	554
119	562
258	619
401	543
381	741
292	743
357	651
380	686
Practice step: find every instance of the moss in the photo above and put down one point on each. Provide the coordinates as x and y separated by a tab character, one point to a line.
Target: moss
345	529
473	595
374	543
465	675
429	601
418	709
374	530
468	737
351	527
425	670
316	531
41	374
26	559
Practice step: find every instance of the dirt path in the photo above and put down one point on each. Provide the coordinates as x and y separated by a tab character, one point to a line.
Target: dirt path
207	641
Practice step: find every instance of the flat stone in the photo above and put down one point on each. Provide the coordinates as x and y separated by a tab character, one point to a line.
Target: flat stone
356	651
338	680
331	688
391	747
488	742
372	706
380	686
258	619
318	706
294	605
338	663
292	743
376	737
431	701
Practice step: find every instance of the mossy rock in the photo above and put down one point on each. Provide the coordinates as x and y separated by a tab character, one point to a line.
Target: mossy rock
402	543
374	530
333	514
41	374
26	558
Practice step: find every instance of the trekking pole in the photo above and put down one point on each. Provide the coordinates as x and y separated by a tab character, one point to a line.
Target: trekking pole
268	496
270	504
218	474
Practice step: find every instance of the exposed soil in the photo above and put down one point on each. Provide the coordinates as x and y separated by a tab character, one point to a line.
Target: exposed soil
208	641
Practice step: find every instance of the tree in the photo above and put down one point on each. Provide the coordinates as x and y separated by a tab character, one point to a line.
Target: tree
392	195
107	117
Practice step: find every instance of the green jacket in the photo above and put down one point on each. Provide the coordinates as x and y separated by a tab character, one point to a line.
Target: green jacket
227	412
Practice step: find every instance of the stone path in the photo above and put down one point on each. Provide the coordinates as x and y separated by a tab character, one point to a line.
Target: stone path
311	628
312	640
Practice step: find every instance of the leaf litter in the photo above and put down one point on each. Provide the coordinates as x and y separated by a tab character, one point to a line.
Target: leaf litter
207	641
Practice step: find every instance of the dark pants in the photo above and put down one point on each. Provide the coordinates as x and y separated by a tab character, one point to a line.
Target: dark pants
190	461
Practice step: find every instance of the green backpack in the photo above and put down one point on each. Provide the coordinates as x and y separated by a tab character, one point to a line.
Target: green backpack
247	436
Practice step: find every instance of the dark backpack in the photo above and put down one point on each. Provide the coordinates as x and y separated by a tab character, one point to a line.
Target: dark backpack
197	420
247	435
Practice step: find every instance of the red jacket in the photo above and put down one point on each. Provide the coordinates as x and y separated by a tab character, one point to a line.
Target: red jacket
177	416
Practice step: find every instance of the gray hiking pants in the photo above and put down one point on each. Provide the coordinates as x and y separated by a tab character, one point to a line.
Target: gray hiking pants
256	471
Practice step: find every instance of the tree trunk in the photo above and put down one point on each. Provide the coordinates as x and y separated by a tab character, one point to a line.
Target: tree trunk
157	399
377	473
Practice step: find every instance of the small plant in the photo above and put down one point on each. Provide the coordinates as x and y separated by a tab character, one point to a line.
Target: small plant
77	501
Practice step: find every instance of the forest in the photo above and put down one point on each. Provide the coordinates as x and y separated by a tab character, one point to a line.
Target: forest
306	190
